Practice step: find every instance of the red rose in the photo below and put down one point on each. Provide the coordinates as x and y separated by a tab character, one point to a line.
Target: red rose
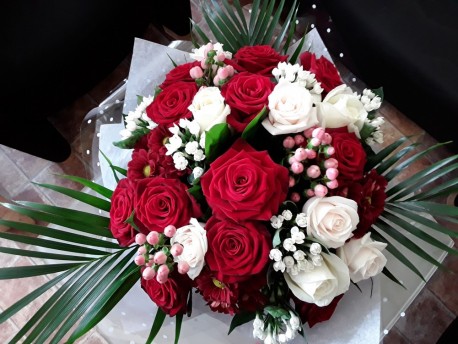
236	251
246	94
122	206
160	202
179	73
172	103
258	59
349	153
325	71
244	184
313	314
171	296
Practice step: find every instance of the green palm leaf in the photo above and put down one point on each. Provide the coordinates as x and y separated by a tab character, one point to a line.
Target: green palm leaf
100	189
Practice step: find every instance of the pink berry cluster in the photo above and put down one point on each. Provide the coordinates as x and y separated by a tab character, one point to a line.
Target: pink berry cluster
212	69
155	254
309	158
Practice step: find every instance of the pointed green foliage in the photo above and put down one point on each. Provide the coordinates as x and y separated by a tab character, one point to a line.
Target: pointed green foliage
157	324
240	319
216	140
252	127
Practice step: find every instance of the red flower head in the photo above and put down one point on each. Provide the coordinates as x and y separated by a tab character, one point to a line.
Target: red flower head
237	250
350	154
122	206
171	296
157	137
246	94
244	184
258	59
325	71
160	202
172	103
313	314
179	73
221	297
251	298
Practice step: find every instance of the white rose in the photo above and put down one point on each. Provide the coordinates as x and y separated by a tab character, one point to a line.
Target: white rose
193	237
342	108
290	109
363	257
208	108
331	219
322	284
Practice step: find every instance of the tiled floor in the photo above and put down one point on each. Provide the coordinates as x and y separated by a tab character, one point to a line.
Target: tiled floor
427	317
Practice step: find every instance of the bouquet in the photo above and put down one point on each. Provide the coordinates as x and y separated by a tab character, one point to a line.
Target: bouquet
253	184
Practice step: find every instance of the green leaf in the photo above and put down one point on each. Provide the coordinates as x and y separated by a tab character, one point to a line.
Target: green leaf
215	140
34	270
397	254
268	36
376	159
241	24
200	32
393	160
431	208
114	168
42	255
179	322
79	196
290	20
262	20
117	290
18	305
297	51
157	324
250	130
388	274
444	189
276	312
130	142
240	319
100	189
56	245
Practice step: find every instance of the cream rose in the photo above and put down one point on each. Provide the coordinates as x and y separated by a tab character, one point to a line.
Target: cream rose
290	109
331	219
208	108
322	284
342	108
363	257
193	237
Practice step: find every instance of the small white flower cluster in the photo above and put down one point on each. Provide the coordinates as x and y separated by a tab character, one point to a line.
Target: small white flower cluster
377	134
295	74
135	119
370	101
187	150
282	332
200	54
277	221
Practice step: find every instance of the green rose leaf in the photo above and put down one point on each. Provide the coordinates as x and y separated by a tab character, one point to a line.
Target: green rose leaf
215	140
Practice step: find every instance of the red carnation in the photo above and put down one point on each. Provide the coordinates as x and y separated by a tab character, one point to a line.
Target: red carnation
171	296
244	184
325	71
157	137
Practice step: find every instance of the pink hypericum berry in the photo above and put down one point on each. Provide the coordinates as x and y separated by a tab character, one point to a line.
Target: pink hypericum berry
220	57
320	190
216	80
170	231
332	184
148	273
152	238
160	258
183	267
223	73
331	163
330	150
300	154
139	260
176	250
162	278
141	250
313	171
318	133
292	182
162	274
288	142
203	64
196	72
308	132
311	154
326	139
208	48
140	239
315	142
292	160
295	197
297	168
310	193
332	173
299	139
